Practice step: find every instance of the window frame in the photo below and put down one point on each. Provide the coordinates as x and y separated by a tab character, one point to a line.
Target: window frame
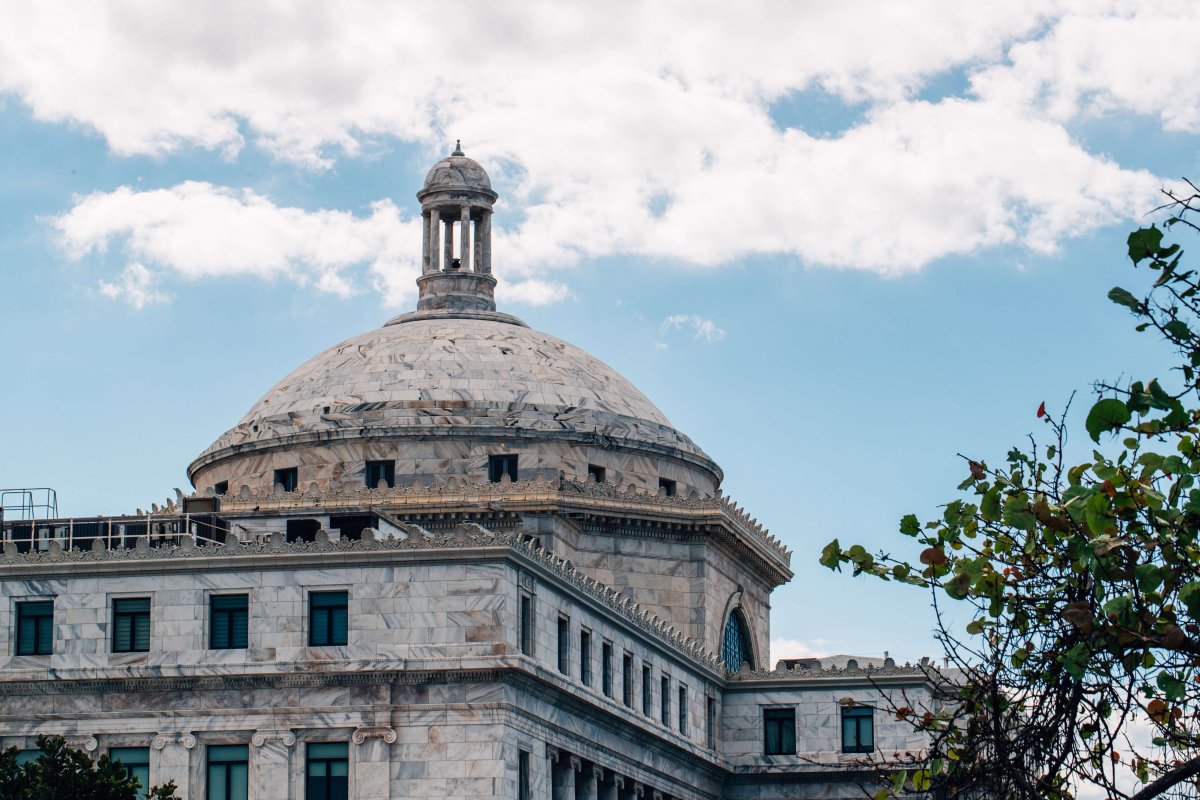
524	782
25	614
564	644
525	626
664	699
387	473
682	710
627	679
501	464
331	621
288	478
606	668
215	613
670	487
596	473
130	765
118	614
781	721
228	764
585	656
328	761
647	690
858	715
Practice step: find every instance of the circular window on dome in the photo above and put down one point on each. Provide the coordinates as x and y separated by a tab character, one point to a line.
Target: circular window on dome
735	646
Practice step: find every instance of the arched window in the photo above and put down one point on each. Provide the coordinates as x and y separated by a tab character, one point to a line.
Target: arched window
735	647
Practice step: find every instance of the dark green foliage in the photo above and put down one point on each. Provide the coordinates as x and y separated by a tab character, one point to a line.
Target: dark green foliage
64	773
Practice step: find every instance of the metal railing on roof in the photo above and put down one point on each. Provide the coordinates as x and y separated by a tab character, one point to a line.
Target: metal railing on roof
160	530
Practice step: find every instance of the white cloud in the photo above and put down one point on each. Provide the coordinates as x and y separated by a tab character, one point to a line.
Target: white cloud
701	328
611	138
797	648
136	286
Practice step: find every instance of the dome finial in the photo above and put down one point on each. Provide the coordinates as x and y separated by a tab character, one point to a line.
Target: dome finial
458	148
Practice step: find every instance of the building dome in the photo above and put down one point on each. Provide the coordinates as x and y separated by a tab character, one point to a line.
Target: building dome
455	171
445	389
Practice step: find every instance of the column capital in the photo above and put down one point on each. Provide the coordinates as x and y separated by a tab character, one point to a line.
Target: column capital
384	732
187	740
262	737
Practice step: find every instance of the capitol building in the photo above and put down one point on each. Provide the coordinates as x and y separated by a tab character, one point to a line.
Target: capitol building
451	557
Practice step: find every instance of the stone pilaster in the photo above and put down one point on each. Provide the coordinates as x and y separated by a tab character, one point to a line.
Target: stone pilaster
272	759
373	762
174	762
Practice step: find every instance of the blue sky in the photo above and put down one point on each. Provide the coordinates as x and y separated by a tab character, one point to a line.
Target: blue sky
883	236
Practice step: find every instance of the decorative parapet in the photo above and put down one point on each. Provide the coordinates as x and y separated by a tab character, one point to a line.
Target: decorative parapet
457	491
851	669
413	538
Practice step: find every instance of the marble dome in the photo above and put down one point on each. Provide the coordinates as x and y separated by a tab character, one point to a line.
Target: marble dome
443	390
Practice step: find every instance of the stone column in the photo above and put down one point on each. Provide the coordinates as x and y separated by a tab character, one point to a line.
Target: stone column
465	249
424	243
174	761
448	244
373	763
485	238
270	775
586	782
562	773
435	232
477	256
606	787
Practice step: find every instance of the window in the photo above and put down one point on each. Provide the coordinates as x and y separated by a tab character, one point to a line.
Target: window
523	785
499	466
627	680
595	473
564	645
228	622
131	625
221	487
328	771
136	761
381	471
35	628
710	721
667	486
585	657
228	772
606	669
735	645
858	729
683	710
327	618
779	731
288	478
27	756
664	699
526	624
647	691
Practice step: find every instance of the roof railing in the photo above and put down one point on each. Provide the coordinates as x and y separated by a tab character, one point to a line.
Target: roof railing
83	533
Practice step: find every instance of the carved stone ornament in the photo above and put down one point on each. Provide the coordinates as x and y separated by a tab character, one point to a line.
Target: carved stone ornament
262	737
83	742
388	735
187	740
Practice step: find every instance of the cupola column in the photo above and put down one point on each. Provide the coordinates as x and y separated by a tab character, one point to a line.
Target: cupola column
485	242
449	244
432	261
465	249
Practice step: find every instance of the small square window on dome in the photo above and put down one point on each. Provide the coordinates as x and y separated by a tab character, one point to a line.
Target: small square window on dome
499	466
667	486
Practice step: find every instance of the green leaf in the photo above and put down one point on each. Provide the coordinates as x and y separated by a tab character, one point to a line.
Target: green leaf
831	556
1178	329
921	780
1123	298
1172	687
1144	243
910	525
1148	577
1106	415
1189	595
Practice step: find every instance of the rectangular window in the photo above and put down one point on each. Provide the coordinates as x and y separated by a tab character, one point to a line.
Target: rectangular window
627	680
526	625
595	473
136	761
288	478
858	730
228	772
384	471
647	691
327	624
523	783
667	486
328	771
683	710
221	487
499	466
710	721
585	657
131	625
564	645
606	665
27	756
664	700
228	622
779	731
35	628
